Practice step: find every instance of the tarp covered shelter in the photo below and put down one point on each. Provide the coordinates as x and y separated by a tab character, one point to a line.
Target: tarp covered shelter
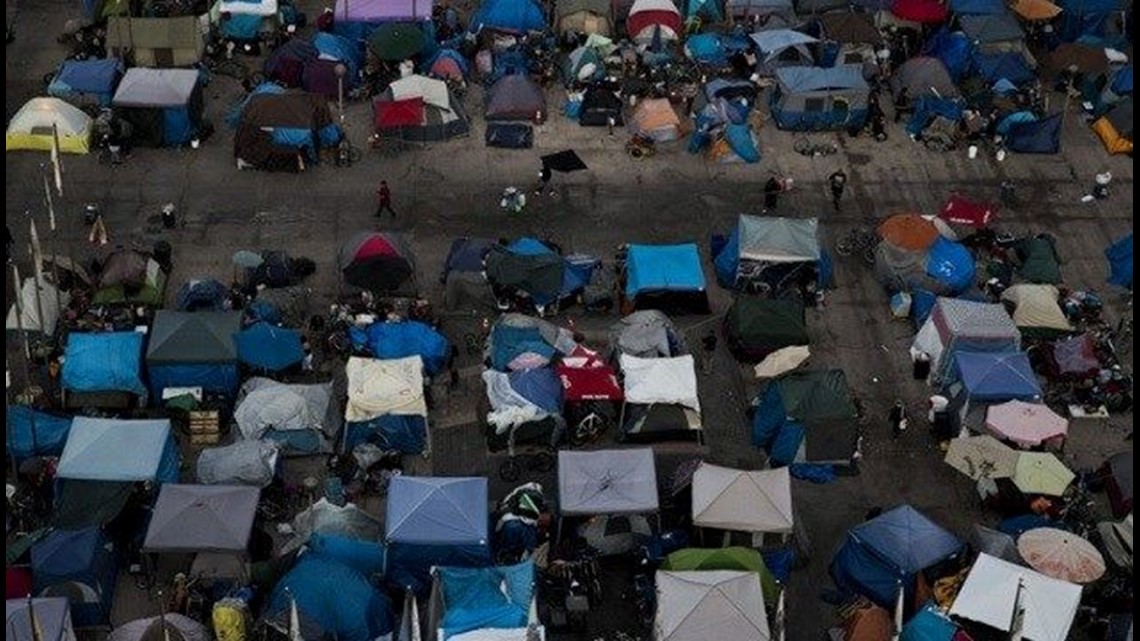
386	404
1119	256
511	16
516	97
1036	310
655	118
332	601
401	339
921	11
666	277
104	449
959	210
156	42
769	13
995	377
202	518
110	362
743	501
923	76
245	20
817	98
266	347
131	277
377	11
33	299
518	342
532	268
163	106
1037	137
584	16
86	82
29	432
51	620
193	349
483	603
607	482
891	548
985	31
377	261
776	247
239	463
303	419
661	400
755	327
961	325
691	604
178	627
994	589
806	416
275	129
81	566
41	119
646	334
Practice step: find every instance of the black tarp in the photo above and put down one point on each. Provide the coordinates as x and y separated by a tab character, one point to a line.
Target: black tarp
509	135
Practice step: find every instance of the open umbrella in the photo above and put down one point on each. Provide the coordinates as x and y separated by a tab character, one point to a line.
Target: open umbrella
782	360
982	457
1061	555
564	161
1036	9
1026	424
908	231
396	41
1041	473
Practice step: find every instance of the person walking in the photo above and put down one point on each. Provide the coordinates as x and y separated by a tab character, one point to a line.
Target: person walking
544	176
772	190
708	345
897	419
838	183
902	104
384	200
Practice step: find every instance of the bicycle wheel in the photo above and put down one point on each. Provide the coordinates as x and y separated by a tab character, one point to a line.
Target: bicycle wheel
869	255
845	247
510	470
542	462
803	146
588	429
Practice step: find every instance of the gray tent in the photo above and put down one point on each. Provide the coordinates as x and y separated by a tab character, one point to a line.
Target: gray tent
169	627
301	418
782	48
202	518
195	337
516	97
646	334
51	620
923	76
779	240
607	482
584	16
816	98
991	29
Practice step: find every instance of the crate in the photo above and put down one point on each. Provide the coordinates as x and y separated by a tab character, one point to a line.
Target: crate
204	427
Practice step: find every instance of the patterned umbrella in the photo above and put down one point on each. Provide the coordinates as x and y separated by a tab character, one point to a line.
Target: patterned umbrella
1041	473
1025	424
909	231
1061	555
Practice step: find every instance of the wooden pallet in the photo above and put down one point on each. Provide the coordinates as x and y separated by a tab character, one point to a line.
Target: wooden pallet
204	427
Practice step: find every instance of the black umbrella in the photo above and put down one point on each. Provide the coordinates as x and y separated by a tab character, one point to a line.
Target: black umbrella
564	161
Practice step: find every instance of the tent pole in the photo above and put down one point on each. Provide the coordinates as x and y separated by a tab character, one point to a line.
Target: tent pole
27	354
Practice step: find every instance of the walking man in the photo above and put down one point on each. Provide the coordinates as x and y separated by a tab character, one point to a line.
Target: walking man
544	176
384	200
898	419
772	190
708	344
838	183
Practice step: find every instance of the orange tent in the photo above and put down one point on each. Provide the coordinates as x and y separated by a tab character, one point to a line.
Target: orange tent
1036	9
908	231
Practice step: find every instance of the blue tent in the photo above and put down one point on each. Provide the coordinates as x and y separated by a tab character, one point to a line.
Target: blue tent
929	624
481	598
1121	83
333	601
951	264
926	107
366	557
808	412
664	269
267	347
707	10
707	48
109	362
1010	66
817	98
994	377
404	433
509	341
977	7
1085	17
80	565
194	349
83	80
1039	137
333	47
233	116
466	255
740	140
46	439
953	49
389	340
891	548
541	386
202	295
516	16
103	449
1119	255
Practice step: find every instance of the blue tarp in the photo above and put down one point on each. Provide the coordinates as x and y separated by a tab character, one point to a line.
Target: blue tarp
927	107
233	117
108	362
207	295
708	10
1011	119
541	386
366	557
953	49
96	78
466	255
516	16
707	48
1121	83
47	440
509	342
1040	137
1015	526
1010	66
740	140
977	7
333	47
890	548
478	598
83	557
333	601
1119	255
663	268
1084	17
996	377
406	338
951	264
405	433
222	378
241	26
267	347
437	510
921	304
100	449
928	624
409	566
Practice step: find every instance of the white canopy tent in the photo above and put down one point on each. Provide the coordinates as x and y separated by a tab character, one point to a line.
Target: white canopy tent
710	604
990	595
743	501
607	482
650	381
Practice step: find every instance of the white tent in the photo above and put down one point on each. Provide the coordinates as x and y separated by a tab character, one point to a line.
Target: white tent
31	127
730	499
142	87
707	605
248	7
990	595
432	91
383	387
607	482
265	405
49	301
671	381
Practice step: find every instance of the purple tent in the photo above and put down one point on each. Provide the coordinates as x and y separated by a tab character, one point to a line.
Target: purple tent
383	10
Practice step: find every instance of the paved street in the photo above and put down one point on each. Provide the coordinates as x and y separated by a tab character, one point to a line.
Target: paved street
447	190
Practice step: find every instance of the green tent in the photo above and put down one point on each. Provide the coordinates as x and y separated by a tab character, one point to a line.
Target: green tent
755	327
397	41
731	558
1039	261
820	395
151	294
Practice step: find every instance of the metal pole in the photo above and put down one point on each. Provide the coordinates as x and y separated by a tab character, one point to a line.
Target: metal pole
37	269
27	356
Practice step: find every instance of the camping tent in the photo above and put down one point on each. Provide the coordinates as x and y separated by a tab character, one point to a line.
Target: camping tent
377	261
891	548
1037	137
301	418
419	109
511	16
286	64
38	620
666	277
29	433
816	98
1036	311
176	627
755	327
163	106
40	119
464	287
995	588
1119	256
275	129
995	377
202	518
923	76
245	20
661	399
131	277
855	32
778	48
483	603
992	33
1115	128
806	416
607	482
729	558
960	325
771	250
653	19
691	604
646	334
386	404
269	348
46	298
332	601
743	501
156	42
193	349
86	82
584	16
532	268
655	118
516	97
104	449
81	566
110	362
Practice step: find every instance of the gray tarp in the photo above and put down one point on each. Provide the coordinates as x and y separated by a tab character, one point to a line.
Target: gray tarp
646	334
170	627
923	76
323	517
193	337
52	618
988	29
799	79
267	405
241	463
202	518
779	240
142	87
607	482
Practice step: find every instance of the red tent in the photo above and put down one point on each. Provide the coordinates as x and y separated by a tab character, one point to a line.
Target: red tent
925	11
961	211
393	114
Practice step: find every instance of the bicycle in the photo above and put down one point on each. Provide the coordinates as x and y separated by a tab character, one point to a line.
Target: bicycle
858	242
590	427
806	147
473	343
539	462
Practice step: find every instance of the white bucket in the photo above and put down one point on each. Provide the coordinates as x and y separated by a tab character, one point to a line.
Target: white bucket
972	152
1000	155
